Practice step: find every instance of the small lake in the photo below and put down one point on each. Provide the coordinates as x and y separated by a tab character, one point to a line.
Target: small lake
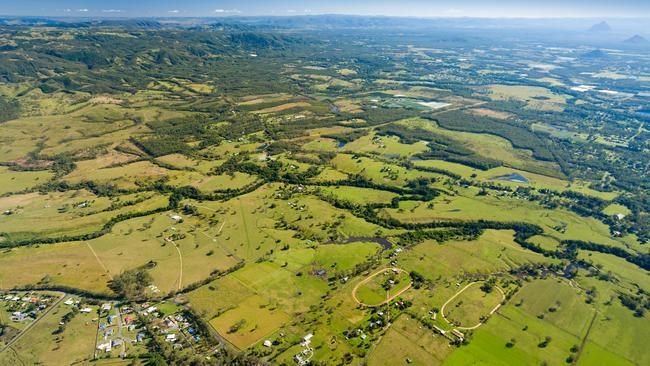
341	144
512	177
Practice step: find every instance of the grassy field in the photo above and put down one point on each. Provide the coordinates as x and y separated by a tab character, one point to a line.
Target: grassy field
381	287
359	196
516	335
535	97
494	251
471	306
257	319
491	146
18	181
407	340
557	223
69	213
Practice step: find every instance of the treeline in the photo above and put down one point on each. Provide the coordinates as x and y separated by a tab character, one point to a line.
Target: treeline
440	147
349	136
519	136
640	259
9	109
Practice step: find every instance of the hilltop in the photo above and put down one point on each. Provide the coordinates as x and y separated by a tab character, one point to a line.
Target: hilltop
601	27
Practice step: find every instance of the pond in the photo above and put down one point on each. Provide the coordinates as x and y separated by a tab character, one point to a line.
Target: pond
512	177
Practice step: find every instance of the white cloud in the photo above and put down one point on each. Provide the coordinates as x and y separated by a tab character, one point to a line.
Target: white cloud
112	11
452	11
227	11
291	11
307	10
174	11
82	10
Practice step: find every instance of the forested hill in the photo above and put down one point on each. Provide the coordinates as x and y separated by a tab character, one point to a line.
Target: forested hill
126	55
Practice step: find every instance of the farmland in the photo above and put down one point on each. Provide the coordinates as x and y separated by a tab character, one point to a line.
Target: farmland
262	191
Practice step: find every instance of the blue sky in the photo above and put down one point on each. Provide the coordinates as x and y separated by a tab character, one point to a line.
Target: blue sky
424	8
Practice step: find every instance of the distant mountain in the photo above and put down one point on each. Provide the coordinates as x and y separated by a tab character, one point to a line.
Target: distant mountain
594	55
129	23
636	39
600	27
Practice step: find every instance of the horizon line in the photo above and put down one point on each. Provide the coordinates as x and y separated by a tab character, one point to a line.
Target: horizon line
126	16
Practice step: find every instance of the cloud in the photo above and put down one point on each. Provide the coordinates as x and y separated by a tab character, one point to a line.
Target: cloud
227	11
452	11
174	11
291	11
112	11
82	10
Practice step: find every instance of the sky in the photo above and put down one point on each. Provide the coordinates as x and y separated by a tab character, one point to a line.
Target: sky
419	8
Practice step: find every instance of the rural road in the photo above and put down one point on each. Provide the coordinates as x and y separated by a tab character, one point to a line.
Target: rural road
180	258
442	309
47	311
388	299
99	261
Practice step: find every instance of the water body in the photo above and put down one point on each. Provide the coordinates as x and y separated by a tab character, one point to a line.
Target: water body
512	177
364	239
341	144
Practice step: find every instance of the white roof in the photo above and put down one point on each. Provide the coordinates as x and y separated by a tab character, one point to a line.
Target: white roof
308	336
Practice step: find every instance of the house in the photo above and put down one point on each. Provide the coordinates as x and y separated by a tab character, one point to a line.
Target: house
151	309
267	343
128	319
17	316
458	334
106	347
86	310
69	302
171	337
308	337
139	337
106	306
176	217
